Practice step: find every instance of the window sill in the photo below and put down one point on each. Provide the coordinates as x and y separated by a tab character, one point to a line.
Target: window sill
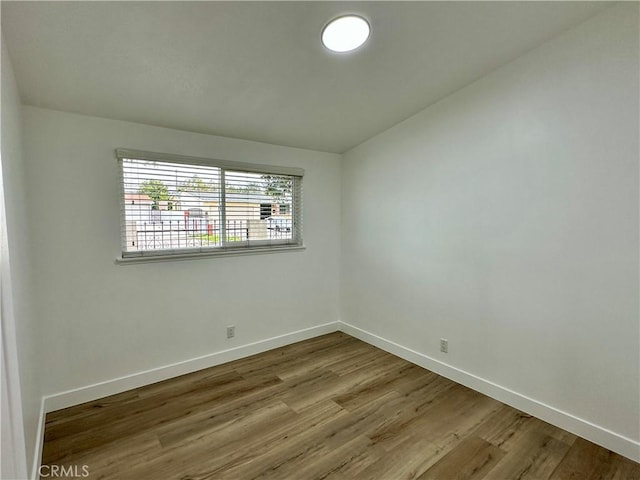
194	256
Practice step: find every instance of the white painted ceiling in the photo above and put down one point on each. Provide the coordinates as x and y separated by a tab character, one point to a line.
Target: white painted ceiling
257	70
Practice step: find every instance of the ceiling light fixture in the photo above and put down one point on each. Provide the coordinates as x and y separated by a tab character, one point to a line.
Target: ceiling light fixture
346	33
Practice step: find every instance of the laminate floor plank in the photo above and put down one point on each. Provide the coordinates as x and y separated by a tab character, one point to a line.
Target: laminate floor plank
344	461
587	461
407	461
110	458
358	422
324	360
331	407
145	414
275	447
535	455
470	460
392	379
324	444
219	453
284	358
450	415
338	385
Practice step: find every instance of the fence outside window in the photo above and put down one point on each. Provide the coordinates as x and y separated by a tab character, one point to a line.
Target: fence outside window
181	234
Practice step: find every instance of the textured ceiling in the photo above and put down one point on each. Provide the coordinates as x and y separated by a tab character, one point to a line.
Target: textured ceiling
257	70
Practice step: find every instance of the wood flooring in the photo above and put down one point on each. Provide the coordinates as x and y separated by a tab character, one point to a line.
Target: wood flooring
332	407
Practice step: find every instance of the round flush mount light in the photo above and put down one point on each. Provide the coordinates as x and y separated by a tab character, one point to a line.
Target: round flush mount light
346	33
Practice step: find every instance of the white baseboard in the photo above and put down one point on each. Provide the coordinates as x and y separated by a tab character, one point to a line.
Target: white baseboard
583	428
122	384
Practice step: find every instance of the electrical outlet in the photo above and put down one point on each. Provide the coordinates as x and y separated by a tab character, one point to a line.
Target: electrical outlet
444	345
231	331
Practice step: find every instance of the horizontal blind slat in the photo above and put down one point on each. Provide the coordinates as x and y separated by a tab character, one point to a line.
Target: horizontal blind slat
122	153
171	207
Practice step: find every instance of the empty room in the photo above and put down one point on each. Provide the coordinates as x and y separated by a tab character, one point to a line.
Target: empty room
320	240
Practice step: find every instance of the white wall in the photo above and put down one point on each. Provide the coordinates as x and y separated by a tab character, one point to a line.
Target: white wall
19	334
505	219
100	320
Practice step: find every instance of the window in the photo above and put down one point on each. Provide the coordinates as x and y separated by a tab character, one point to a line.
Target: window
176	206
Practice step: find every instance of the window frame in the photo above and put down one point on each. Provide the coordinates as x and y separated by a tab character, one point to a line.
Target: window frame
247	247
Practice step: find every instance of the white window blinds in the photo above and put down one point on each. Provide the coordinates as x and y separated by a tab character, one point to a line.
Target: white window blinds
174	205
